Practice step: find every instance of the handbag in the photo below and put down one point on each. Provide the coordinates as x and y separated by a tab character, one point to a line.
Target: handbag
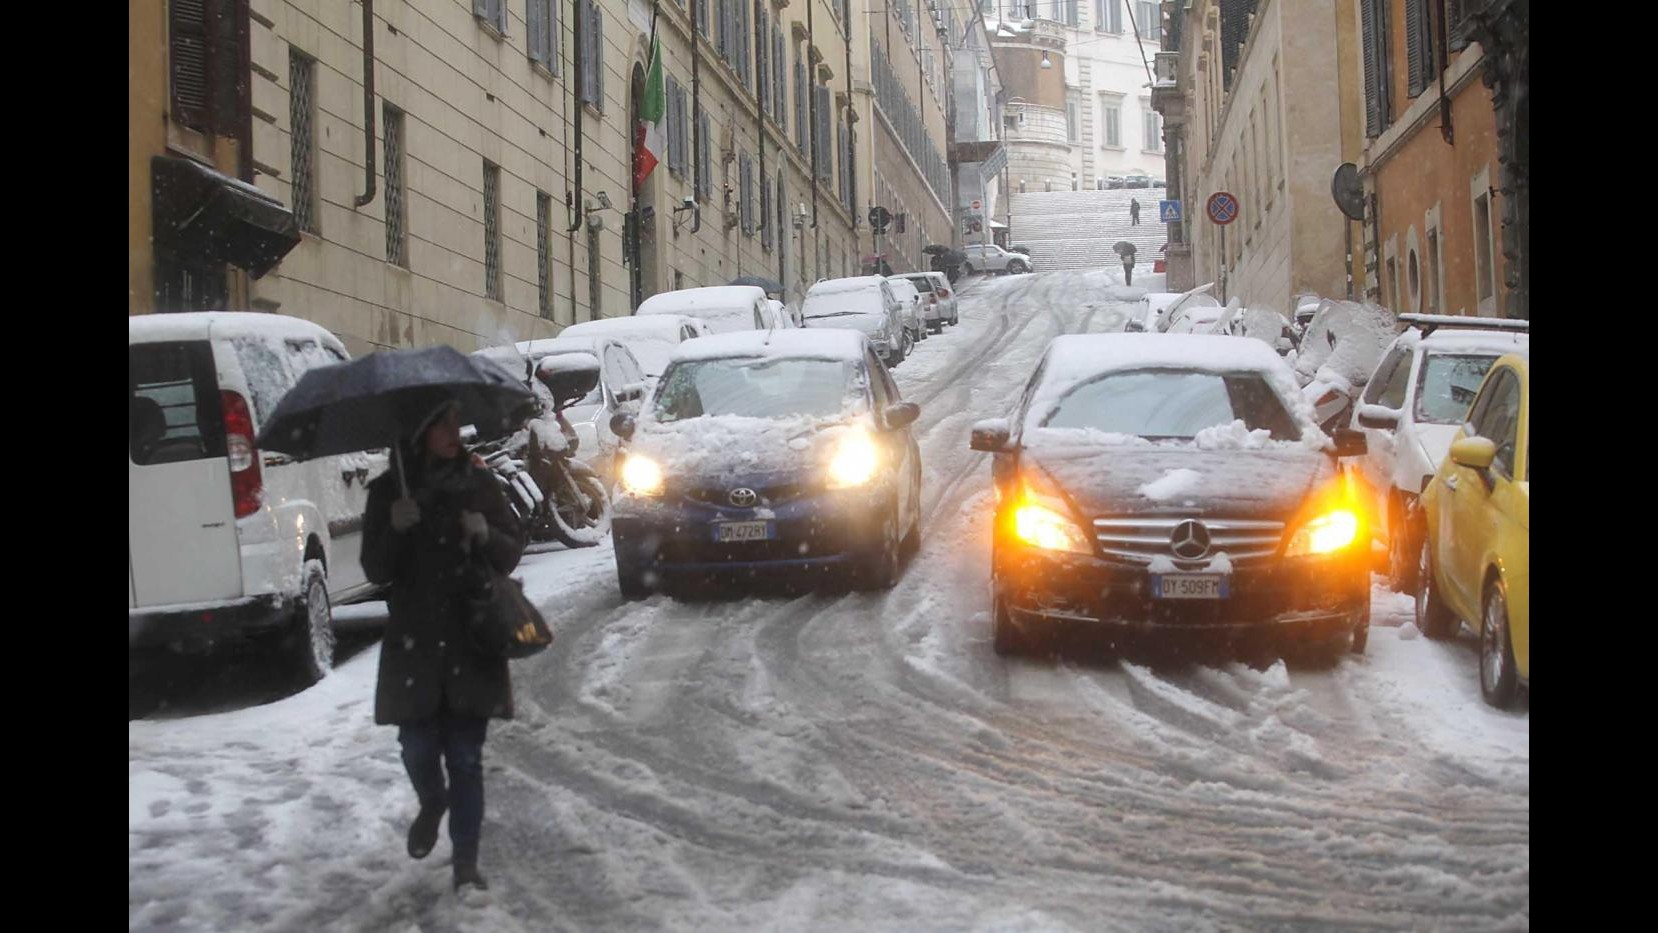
503	621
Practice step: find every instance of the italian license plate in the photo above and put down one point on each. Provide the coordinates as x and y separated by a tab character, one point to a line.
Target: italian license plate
742	531
1188	586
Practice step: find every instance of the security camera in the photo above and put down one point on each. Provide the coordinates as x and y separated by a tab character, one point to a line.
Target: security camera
689	201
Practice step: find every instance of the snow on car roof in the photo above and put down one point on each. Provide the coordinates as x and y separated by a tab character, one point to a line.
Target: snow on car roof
1454	341
815	343
849	284
559	344
665	326
196	325
697	302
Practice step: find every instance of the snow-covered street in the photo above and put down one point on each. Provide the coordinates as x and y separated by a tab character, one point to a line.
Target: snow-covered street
866	761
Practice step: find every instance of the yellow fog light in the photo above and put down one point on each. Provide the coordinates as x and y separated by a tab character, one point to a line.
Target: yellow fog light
641	476
1039	526
1325	534
854	462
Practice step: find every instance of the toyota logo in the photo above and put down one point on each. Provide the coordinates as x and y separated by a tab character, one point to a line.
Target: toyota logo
745	497
1189	540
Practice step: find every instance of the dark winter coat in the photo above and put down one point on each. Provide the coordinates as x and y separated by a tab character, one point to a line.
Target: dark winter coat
427	658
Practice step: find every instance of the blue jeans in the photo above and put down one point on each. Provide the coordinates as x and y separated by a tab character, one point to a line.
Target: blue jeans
455	741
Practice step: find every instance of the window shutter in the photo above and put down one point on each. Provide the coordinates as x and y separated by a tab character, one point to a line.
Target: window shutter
704	163
1418	47
535	17
1456	24
745	193
766	222
1368	26
229	68
762	86
800	126
188	62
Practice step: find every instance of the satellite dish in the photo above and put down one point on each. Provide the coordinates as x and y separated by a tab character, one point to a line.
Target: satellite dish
1348	191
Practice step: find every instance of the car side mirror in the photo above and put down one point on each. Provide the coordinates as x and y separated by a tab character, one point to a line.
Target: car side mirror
990	435
1474	452
1379	417
901	415
1349	443
622	425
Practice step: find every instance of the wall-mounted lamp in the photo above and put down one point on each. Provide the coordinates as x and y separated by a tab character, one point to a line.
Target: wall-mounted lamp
604	203
1045	62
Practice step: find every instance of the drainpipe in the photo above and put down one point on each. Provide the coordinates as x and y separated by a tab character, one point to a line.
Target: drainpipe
759	112
1445	129
368	104
573	199
852	150
696	110
811	104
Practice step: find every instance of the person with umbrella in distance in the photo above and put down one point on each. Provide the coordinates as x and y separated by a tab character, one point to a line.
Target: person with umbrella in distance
434	685
435	526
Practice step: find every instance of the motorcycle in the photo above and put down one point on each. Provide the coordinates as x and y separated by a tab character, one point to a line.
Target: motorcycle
555	495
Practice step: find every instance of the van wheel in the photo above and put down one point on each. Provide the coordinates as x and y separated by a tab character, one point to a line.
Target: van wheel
312	651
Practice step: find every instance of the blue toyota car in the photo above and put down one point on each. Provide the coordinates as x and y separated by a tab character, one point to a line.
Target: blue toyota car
761	456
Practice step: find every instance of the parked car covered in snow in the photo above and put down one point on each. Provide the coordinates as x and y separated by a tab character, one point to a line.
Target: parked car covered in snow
226	544
621	388
1155	308
865	303
1338	352
1412	407
773	454
1475	560
1176	486
650	338
723	308
909	298
939	299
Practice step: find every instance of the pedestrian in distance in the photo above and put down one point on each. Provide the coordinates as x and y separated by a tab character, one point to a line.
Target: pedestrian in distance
1134	212
434	684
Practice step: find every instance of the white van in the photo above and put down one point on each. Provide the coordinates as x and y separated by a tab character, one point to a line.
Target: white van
724	308
225	544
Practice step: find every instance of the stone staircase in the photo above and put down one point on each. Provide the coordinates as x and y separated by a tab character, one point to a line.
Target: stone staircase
1076	229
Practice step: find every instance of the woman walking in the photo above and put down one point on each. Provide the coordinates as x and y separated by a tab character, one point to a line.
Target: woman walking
434	685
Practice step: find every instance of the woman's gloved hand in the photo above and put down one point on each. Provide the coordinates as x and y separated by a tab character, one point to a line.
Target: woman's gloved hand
405	514
474	527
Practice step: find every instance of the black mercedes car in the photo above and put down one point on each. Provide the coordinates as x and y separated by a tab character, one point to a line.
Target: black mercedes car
1174	485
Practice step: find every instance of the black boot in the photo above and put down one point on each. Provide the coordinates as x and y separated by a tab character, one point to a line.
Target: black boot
467	873
423	832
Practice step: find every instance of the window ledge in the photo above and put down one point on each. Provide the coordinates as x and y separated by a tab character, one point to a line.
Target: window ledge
490	28
1110	148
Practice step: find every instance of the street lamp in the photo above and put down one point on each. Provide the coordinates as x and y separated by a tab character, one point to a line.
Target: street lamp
1045	63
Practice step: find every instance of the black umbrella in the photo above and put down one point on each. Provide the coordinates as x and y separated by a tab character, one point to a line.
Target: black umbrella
379	399
935	249
758	281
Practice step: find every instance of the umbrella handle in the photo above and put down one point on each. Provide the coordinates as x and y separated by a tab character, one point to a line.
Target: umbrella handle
397	459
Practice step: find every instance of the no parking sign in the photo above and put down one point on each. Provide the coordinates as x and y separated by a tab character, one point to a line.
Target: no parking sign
1222	207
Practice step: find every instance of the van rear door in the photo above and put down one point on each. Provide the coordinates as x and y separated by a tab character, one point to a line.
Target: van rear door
181	524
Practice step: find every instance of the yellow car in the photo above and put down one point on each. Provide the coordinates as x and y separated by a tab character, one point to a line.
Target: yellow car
1475	560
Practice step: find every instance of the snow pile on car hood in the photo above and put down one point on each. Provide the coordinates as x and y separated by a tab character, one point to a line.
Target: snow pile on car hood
730	446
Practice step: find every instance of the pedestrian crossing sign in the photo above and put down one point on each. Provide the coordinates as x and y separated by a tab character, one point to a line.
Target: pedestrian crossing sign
1168	212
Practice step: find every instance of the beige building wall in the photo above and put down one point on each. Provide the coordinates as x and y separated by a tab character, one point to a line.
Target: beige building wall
470	93
1274	142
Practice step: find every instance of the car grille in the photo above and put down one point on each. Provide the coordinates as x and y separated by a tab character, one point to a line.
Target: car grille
815	541
1138	540
769	495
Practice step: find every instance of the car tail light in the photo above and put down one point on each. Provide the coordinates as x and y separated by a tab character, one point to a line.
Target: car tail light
932	299
945	293
247	486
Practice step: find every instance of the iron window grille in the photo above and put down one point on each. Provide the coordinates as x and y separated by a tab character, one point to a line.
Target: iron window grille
492	231
397	242
302	75
543	251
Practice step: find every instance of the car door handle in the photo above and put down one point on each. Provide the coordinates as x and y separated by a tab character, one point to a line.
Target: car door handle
1451	482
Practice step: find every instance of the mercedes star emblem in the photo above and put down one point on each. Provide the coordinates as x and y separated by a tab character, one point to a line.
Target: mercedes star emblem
745	497
1189	540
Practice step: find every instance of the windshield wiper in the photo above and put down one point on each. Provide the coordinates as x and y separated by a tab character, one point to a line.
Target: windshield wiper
813	317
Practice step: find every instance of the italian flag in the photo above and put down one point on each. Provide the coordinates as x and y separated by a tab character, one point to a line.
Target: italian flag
648	134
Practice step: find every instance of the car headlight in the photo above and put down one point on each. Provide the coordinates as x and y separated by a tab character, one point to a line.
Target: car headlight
1045	527
854	461
1325	534
641	476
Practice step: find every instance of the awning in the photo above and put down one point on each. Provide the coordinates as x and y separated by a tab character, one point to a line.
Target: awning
974	151
994	225
207	214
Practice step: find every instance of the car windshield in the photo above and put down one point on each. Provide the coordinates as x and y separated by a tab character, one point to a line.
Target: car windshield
1165	404
1447	384
757	387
